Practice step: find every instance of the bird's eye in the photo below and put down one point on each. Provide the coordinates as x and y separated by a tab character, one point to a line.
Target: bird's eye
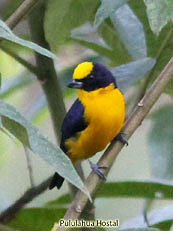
91	76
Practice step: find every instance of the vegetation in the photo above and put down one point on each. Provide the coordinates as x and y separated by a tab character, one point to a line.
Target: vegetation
46	39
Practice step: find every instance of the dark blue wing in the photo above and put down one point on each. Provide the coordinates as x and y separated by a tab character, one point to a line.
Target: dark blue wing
73	122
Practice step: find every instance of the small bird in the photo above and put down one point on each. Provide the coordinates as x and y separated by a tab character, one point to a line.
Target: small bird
94	119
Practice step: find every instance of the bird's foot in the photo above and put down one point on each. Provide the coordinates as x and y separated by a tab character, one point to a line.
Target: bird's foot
96	168
122	139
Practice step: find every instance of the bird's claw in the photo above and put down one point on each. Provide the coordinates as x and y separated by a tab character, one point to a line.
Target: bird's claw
122	139
96	168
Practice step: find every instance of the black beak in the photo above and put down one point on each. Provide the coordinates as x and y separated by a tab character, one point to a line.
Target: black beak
75	84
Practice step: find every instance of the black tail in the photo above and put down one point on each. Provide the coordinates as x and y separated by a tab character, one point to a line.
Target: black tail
56	181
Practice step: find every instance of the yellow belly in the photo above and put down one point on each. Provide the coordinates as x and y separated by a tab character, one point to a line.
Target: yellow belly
105	113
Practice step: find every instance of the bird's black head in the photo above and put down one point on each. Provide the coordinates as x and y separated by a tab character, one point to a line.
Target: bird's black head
91	76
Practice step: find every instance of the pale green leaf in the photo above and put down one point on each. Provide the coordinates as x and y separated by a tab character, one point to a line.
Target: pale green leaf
40	145
87	36
159	12
131	31
6	33
16	129
128	74
87	33
160	142
64	15
106	8
158	47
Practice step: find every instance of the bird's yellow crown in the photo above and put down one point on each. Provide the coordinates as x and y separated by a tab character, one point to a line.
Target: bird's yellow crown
83	70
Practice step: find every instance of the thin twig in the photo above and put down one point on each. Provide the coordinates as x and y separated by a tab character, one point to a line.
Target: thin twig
108	158
21	11
27	197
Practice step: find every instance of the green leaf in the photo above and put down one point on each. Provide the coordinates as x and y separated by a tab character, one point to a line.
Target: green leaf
7	34
160	218
87	36
42	146
87	33
0	80
149	189
112	38
106	8
160	143
64	15
159	13
164	225
158	46
128	74
37	219
131	31
16	129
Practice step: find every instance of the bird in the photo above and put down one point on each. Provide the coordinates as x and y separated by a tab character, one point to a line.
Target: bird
94	119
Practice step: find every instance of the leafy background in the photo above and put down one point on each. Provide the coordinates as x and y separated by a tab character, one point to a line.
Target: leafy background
133	38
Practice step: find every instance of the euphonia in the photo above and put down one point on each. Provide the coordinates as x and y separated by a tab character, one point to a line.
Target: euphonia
94	119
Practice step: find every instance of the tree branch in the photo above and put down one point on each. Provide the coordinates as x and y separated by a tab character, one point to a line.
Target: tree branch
21	11
48	77
27	197
47	73
135	120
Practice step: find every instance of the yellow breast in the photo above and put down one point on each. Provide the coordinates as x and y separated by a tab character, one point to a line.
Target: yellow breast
105	113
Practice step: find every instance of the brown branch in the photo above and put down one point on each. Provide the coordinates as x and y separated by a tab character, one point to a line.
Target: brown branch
28	196
135	120
21	11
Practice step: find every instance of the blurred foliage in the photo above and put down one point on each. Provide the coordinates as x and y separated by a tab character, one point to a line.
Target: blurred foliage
106	8
10	7
158	46
131	31
160	142
116	33
143	189
64	15
158	218
8	66
30	137
37	219
7	34
159	13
